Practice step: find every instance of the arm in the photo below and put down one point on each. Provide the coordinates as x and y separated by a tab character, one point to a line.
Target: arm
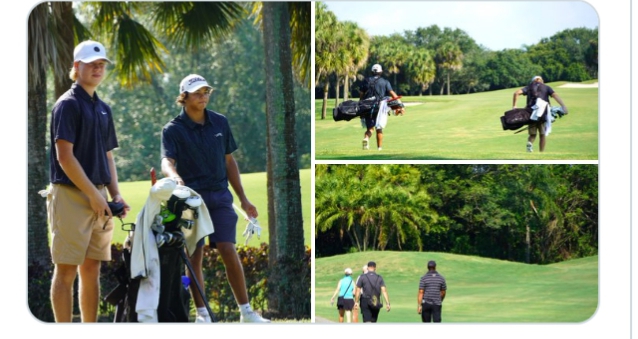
385	295
332	300
393	94
169	170
357	295
72	168
560	101
232	171
515	98
442	295
113	187
419	298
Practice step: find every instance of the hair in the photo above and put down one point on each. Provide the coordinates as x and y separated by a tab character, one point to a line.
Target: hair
181	98
73	73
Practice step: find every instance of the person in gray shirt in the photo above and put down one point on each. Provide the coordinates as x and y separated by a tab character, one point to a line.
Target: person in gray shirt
432	288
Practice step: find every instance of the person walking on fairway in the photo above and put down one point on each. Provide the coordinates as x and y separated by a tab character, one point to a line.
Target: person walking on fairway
378	87
538	90
355	311
197	148
432	288
370	303
82	172
345	296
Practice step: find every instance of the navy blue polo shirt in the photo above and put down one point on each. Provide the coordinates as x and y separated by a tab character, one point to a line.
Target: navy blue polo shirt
541	91
375	85
199	150
87	123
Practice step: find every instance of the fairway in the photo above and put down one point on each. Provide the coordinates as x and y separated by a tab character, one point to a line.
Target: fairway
136	193
480	290
464	126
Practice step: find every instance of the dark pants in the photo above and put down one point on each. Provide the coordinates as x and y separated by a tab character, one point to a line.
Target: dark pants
430	313
369	315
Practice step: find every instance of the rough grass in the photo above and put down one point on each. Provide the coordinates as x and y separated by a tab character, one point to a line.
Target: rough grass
254	184
464	127
480	290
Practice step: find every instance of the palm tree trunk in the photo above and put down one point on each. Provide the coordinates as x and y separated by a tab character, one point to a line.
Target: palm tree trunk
448	82
291	277
326	88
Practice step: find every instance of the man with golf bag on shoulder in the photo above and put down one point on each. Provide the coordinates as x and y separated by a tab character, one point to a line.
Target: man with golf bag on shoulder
374	87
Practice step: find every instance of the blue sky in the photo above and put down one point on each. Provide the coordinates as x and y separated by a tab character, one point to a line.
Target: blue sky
494	24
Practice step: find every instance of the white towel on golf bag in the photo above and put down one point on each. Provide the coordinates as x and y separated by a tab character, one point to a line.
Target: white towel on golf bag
382	117
539	109
145	263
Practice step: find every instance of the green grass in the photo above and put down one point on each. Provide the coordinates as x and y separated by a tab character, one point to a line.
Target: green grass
464	127
480	290
136	193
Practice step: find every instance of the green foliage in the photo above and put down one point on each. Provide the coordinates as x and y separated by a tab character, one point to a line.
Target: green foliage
481	210
39	289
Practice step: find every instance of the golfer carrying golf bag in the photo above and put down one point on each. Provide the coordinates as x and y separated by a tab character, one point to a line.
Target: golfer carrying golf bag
538	95
197	148
374	87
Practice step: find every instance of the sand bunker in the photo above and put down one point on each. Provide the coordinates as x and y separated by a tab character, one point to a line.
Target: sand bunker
594	85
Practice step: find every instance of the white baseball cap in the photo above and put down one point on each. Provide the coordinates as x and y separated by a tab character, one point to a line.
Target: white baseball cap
377	68
89	51
192	82
348	270
536	77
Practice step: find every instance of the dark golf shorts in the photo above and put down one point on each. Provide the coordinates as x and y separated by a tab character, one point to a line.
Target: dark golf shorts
220	208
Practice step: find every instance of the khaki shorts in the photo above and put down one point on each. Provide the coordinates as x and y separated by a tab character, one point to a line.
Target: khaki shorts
76	231
537	128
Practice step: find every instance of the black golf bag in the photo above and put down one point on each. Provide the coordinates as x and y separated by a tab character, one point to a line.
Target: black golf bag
174	298
351	109
516	118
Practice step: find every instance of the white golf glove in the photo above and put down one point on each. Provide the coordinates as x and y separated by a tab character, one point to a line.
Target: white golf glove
251	228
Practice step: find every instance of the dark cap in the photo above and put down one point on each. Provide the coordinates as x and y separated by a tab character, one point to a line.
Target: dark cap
372	264
431	263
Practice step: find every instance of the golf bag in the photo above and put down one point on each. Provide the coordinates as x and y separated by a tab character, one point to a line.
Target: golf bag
174	298
516	118
351	109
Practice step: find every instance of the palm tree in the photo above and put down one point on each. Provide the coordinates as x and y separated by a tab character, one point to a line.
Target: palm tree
421	68
356	44
328	60
284	192
449	58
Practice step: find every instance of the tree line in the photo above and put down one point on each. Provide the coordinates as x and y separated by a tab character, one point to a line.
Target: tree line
527	213
437	60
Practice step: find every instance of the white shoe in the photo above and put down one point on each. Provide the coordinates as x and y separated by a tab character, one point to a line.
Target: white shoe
379	148
529	147
365	144
252	317
203	318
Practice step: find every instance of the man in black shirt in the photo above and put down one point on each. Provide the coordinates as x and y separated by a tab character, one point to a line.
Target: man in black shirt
374	286
537	90
374	87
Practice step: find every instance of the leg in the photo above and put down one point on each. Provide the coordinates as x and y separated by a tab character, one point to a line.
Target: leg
234	271
341	311
379	138
355	315
436	313
348	316
196	262
62	292
542	143
427	313
89	285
